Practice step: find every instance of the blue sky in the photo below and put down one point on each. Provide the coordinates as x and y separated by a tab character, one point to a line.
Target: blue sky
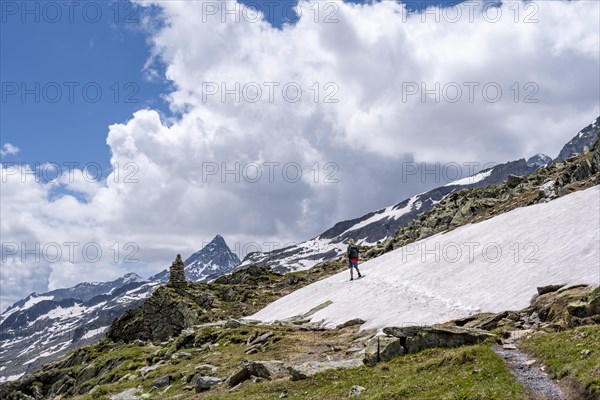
109	54
108	51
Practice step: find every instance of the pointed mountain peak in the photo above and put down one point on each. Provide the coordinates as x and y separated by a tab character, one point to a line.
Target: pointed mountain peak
132	277
218	239
539	160
214	258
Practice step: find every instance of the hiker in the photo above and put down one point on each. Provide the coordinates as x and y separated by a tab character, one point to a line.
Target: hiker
352	255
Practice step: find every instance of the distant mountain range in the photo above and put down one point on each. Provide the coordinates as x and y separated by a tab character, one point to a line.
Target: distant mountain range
42	327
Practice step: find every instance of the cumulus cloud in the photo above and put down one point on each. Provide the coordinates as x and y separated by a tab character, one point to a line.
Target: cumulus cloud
8	149
251	157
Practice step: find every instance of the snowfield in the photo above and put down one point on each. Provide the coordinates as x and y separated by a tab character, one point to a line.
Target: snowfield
472	179
491	266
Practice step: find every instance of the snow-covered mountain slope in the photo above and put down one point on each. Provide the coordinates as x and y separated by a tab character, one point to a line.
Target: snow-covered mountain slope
213	260
585	137
82	291
43	329
490	266
381	224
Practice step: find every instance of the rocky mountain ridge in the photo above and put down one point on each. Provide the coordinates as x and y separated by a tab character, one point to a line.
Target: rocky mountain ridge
585	138
383	224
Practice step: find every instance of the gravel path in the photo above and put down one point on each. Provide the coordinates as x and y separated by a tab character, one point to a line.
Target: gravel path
529	374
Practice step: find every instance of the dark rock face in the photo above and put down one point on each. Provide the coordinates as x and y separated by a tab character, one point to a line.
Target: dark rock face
585	137
177	273
382	348
161	382
203	382
513	181
548	289
165	314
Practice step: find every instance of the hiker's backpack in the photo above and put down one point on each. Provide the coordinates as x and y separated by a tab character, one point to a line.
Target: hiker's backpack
353	252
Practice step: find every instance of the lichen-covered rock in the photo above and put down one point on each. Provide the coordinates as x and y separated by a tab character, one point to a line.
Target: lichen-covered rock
417	338
87	373
352	322
549	289
238	377
161	382
251	275
513	181
257	369
307	369
569	307
382	349
163	315
203	382
266	369
356	391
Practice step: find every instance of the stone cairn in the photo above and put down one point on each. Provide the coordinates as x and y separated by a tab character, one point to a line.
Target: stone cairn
176	272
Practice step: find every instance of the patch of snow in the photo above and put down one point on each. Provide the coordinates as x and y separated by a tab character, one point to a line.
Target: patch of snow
471	179
94	332
10	378
388	212
52	350
548	189
429	281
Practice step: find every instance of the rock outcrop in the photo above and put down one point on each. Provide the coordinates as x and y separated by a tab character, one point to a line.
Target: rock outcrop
165	314
382	348
416	338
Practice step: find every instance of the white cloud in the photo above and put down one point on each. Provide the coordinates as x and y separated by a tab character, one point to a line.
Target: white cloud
9	149
159	199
